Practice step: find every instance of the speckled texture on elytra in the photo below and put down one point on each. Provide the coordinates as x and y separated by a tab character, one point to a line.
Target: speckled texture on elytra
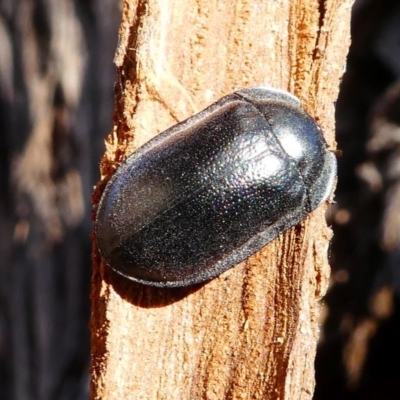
210	191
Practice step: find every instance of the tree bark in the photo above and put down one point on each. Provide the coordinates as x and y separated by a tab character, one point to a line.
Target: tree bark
251	333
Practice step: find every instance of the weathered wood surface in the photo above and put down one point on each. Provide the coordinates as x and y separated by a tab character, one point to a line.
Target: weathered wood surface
252	332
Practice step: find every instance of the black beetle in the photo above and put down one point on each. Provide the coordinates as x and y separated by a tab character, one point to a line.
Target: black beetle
210	191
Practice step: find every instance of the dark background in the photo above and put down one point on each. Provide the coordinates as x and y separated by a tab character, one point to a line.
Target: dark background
56	101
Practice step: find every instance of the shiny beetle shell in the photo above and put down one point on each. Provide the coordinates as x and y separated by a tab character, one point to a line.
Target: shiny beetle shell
210	191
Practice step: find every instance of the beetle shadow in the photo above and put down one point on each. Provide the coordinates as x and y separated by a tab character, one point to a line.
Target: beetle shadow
147	296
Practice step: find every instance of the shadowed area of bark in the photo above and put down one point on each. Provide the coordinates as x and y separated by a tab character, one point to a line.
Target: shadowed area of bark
56	81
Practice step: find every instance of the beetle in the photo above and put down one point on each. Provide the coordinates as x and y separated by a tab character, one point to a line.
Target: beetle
208	192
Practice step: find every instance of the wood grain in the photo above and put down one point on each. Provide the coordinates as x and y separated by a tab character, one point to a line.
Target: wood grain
252	332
